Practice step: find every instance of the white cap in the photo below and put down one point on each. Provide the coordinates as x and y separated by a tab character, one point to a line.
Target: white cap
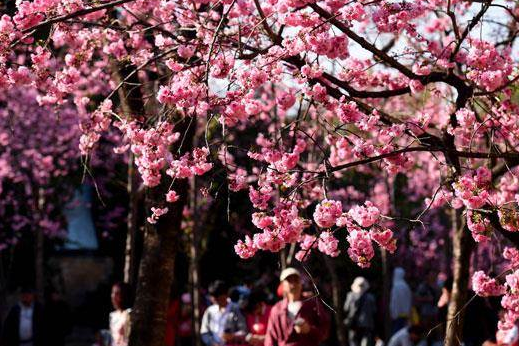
288	272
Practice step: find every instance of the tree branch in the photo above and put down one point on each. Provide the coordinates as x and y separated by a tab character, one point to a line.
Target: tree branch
465	154
78	13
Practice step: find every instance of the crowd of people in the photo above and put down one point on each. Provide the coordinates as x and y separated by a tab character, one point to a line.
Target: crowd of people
246	315
31	323
294	320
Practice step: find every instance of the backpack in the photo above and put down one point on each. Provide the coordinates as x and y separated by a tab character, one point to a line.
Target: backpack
351	321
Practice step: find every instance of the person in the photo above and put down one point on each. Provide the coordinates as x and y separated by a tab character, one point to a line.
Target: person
505	337
508	337
408	336
239	295
480	318
360	310
222	323
185	328
172	317
400	303
23	325
294	322
425	299
57	322
120	317
98	339
257	317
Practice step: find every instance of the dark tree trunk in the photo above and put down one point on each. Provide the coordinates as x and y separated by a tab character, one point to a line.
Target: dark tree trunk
337	301
39	243
156	271
463	244
130	254
195	295
194	273
130	100
386	289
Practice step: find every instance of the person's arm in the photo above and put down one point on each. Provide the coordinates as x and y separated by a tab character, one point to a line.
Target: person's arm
127	324
394	341
205	334
393	301
237	326
241	325
319	327
270	336
346	306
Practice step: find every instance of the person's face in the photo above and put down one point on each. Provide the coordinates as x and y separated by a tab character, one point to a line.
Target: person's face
27	298
292	285
117	299
221	300
258	309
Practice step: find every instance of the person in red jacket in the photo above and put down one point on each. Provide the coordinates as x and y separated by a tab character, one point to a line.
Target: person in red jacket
294	322
257	316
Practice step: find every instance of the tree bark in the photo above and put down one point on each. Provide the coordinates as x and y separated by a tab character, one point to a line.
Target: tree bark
156	271
386	289
194	273
130	257
39	264
148	317
462	248
337	301
130	100
39	251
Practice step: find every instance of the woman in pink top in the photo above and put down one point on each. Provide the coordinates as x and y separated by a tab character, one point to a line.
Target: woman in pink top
257	316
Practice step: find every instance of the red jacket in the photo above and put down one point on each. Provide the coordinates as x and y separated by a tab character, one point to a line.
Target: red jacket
280	329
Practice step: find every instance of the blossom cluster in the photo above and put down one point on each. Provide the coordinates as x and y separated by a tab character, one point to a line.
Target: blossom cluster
472	189
361	223
322	113
479	225
486	286
150	147
92	129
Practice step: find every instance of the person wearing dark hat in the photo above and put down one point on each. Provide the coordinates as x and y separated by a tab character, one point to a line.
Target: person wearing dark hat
222	323
294	322
23	324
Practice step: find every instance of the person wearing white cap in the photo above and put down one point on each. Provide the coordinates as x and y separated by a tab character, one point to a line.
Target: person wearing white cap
294	322
360	309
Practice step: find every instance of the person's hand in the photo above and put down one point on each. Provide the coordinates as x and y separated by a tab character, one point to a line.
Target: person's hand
256	340
302	327
227	337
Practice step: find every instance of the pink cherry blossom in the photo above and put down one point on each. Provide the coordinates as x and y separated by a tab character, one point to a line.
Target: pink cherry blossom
485	286
172	196
327	212
365	215
361	248
328	244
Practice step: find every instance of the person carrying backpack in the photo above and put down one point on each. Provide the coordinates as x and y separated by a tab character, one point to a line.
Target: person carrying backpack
360	309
